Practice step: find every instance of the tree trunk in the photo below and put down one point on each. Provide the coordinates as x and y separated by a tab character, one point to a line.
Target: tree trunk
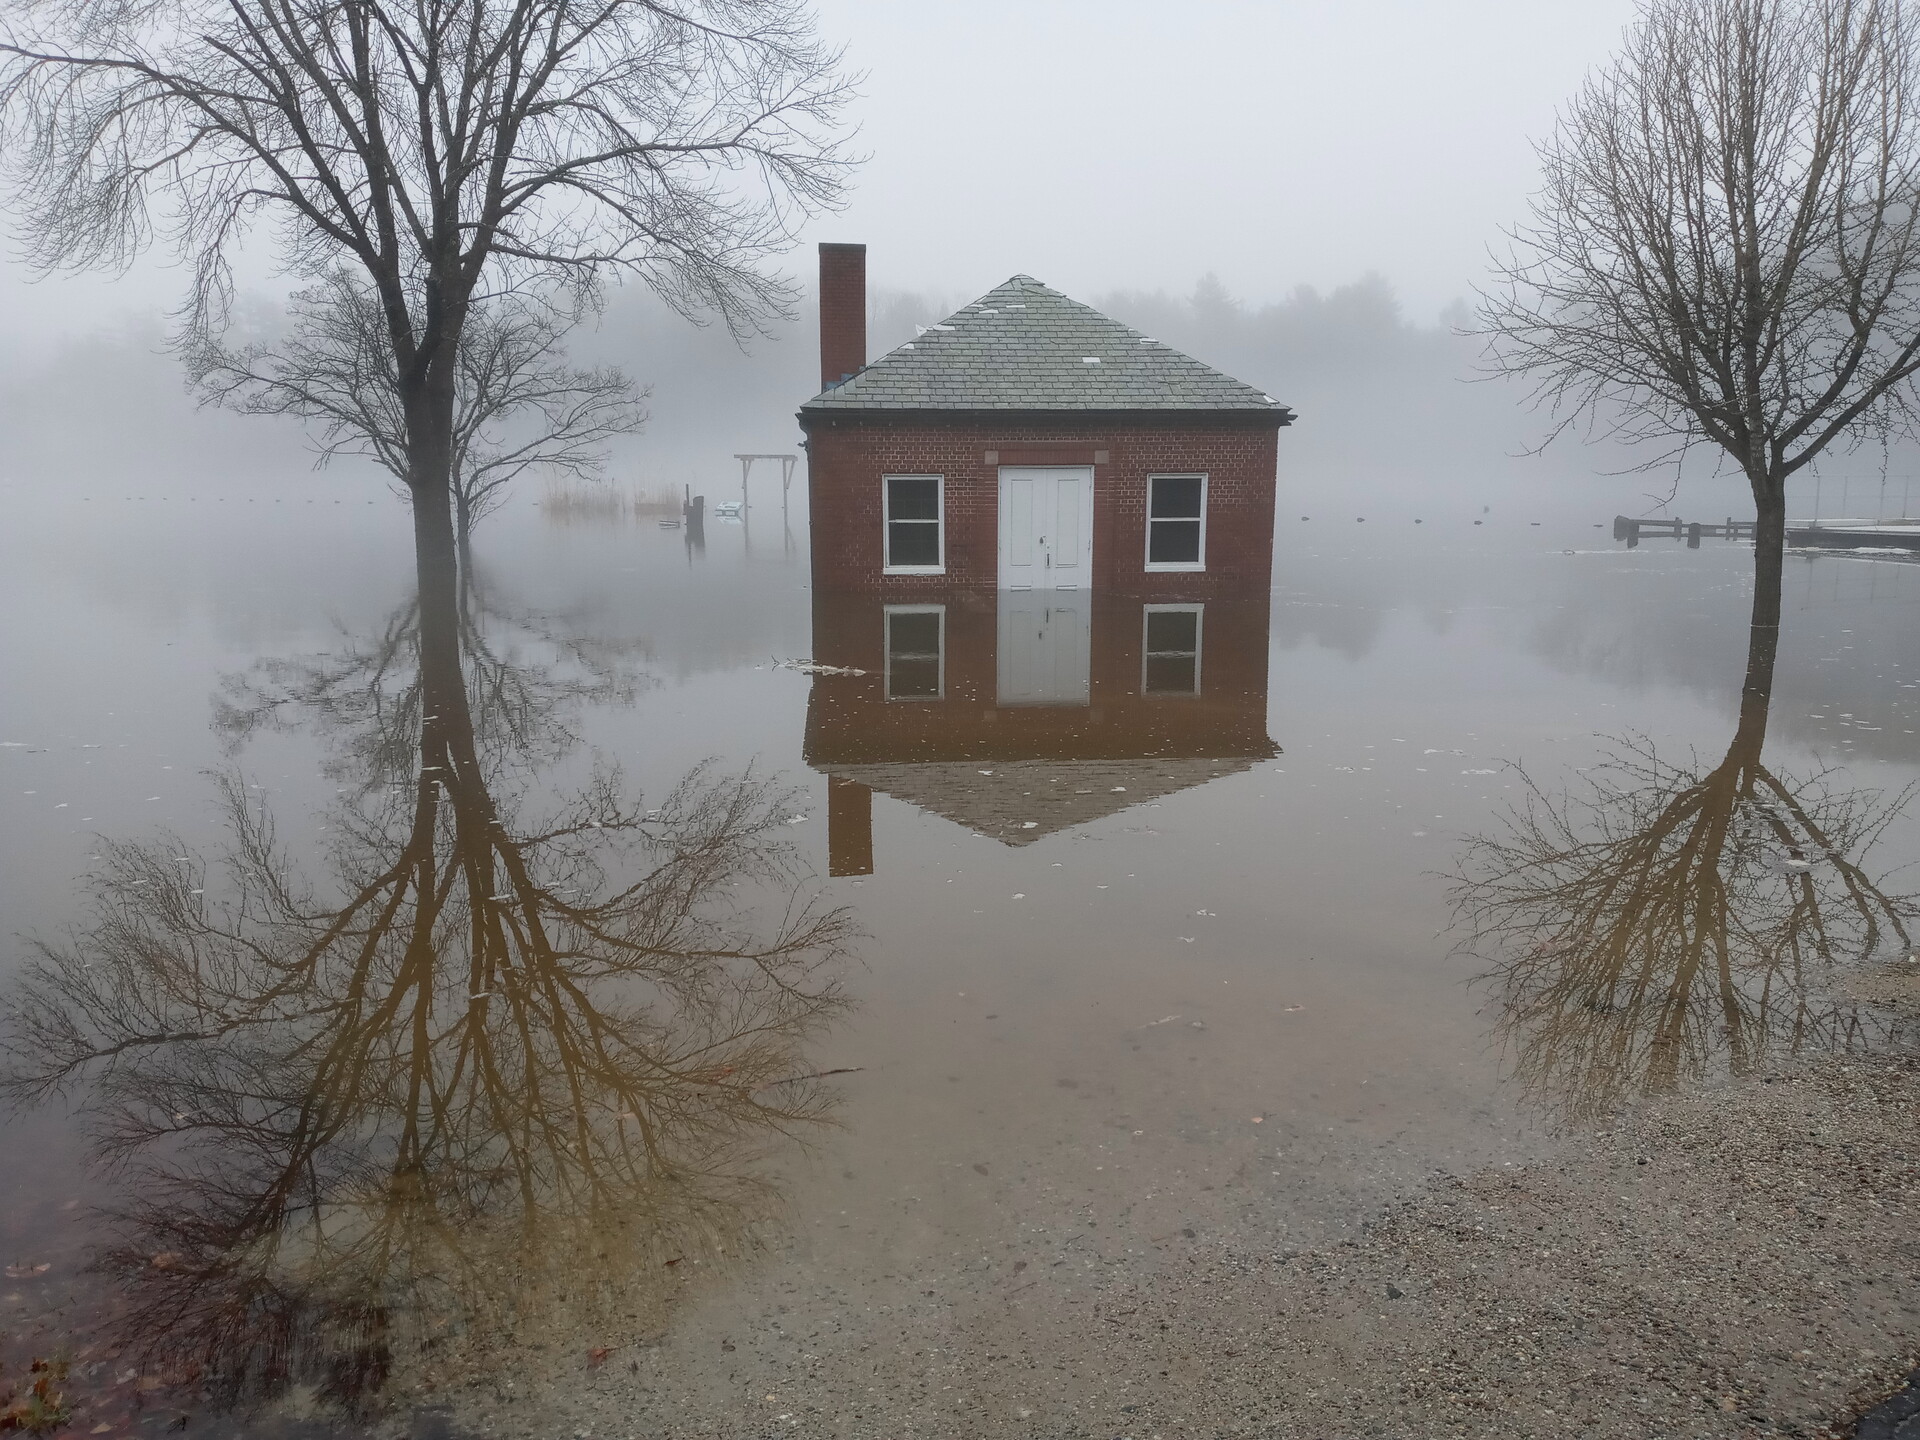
1769	560
429	417
463	535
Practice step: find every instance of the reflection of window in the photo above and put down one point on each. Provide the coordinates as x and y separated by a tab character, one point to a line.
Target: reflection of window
916	652
915	544
1176	522
1170	663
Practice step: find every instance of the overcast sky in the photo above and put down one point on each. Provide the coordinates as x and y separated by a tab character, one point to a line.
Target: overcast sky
1102	144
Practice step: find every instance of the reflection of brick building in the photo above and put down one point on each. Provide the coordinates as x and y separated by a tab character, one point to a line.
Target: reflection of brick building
1046	540
1029	442
1020	716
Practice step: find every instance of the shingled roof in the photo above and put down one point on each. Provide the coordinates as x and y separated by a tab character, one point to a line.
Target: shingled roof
1024	346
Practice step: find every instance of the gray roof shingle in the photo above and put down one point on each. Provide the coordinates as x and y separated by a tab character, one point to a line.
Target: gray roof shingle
1023	346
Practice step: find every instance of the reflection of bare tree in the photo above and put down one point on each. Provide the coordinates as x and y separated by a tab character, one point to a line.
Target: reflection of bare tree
477	1089
524	674
1673	919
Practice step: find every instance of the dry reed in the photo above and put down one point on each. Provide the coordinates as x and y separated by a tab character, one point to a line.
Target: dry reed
601	502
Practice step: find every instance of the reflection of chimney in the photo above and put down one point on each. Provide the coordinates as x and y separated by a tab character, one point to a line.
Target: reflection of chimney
849	827
843	312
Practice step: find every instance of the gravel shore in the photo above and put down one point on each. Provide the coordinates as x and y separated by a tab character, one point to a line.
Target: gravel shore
1741	1261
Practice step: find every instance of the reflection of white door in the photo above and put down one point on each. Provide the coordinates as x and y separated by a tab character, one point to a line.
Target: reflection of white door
1046	527
1045	648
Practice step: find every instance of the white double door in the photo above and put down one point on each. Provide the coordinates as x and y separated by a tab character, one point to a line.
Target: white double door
1046	583
1046	527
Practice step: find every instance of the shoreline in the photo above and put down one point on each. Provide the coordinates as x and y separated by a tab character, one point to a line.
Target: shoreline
1741	1260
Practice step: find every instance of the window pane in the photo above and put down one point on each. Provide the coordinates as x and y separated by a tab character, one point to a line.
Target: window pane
1176	497
1173	542
913	542
1176	630
913	632
917	678
915	497
1172	674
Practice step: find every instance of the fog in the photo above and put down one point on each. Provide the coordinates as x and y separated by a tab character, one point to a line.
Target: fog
1136	145
1302	195
1395	420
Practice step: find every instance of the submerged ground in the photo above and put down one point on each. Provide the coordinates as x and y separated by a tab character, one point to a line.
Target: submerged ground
1204	1108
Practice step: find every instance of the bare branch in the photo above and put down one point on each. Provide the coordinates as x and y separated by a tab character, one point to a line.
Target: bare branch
1726	246
517	405
440	153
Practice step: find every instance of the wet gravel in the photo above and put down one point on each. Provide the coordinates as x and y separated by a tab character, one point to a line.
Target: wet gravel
1744	1261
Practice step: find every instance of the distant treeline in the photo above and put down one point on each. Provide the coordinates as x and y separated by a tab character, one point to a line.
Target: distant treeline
1388	413
1294	339
1346	358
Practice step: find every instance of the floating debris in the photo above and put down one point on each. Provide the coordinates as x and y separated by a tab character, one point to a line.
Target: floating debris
814	667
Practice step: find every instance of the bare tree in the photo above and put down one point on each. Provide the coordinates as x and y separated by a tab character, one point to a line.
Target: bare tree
448	152
1726	248
517	405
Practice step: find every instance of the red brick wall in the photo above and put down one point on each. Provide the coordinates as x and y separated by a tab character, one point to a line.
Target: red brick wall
848	454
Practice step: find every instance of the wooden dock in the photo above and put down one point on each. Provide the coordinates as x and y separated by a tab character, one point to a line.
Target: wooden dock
1633	529
1854	534
1803	534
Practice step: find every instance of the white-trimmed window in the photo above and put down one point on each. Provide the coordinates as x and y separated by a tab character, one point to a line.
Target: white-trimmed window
1176	522
916	663
1170	650
914	512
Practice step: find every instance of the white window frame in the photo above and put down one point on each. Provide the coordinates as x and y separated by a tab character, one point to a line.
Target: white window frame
1199	613
886	652
1185	566
886	526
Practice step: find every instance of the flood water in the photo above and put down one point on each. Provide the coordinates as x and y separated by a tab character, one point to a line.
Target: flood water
1017	948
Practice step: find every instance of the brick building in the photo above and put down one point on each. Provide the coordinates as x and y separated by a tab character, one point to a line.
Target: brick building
1044	542
1029	443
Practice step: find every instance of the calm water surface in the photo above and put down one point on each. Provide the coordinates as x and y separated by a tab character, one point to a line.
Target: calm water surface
1135	925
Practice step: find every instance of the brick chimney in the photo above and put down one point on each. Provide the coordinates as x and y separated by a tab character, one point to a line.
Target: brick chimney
843	312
